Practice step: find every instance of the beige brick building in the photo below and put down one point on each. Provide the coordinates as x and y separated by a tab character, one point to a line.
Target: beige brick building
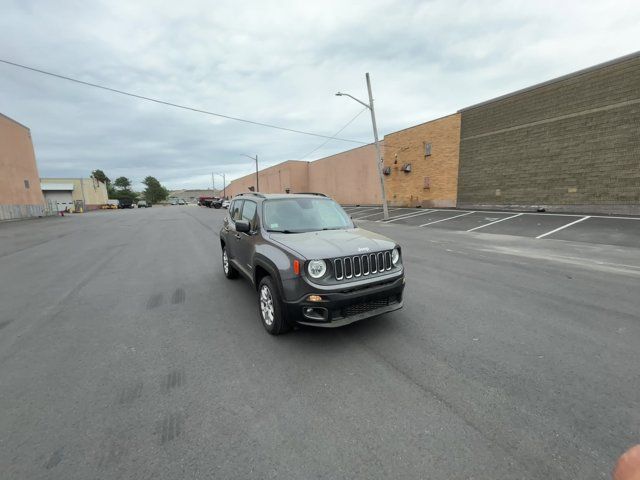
20	194
75	194
291	176
348	177
421	164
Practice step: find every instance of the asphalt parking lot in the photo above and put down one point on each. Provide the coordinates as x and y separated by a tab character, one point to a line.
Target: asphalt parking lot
125	353
612	230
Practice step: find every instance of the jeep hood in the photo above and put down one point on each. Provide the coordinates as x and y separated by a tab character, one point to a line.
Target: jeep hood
333	243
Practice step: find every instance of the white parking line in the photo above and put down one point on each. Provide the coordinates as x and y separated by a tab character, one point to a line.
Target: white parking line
406	215
445	219
563	227
494	222
358	209
377	213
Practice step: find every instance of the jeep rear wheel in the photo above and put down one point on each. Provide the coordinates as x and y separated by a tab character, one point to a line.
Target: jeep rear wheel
227	268
270	308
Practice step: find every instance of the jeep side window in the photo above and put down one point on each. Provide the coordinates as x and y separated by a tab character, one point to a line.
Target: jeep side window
236	208
249	213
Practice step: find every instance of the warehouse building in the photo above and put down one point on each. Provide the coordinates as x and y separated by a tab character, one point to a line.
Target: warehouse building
20	194
75	194
421	164
570	144
192	196
349	177
289	176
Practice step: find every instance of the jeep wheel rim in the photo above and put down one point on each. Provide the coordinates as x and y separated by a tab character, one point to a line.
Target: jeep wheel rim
225	261
266	305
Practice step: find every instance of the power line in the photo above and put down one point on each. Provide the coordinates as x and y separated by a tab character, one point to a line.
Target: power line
176	105
334	135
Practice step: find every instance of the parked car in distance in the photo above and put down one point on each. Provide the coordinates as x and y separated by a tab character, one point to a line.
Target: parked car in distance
174	201
225	204
142	204
181	202
125	202
111	204
205	201
308	261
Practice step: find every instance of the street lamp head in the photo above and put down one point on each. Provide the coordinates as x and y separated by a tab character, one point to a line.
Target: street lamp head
339	94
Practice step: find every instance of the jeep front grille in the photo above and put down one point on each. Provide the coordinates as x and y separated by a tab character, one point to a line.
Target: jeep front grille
362	265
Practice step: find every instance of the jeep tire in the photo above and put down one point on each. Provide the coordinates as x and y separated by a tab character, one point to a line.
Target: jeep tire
227	268
270	309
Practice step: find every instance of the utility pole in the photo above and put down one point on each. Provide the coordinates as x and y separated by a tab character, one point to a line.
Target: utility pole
213	183
385	208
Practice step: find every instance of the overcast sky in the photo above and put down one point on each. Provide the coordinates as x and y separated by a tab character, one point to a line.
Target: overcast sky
273	62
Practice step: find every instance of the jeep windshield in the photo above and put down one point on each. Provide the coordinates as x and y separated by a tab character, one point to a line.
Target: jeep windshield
302	214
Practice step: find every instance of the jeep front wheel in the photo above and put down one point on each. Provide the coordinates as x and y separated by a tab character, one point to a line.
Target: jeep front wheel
270	308
227	268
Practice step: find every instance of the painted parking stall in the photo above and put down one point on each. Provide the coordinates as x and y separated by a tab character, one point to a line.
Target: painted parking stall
600	229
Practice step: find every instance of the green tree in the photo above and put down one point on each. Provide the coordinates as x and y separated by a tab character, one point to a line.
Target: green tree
111	191
120	188
100	176
123	183
154	192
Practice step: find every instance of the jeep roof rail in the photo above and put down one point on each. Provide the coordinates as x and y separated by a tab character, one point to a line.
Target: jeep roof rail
257	194
311	193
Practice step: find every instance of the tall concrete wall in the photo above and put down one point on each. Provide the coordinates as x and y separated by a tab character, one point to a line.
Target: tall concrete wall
433	179
20	194
350	178
290	175
572	144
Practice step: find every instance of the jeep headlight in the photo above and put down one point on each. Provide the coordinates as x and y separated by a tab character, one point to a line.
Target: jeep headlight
395	256
317	268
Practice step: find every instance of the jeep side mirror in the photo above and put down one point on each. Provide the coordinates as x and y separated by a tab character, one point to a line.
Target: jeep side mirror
243	226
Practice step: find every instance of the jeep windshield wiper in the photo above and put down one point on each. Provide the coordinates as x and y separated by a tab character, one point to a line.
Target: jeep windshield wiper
283	231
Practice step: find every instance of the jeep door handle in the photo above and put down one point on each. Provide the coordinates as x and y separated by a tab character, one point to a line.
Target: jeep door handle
237	235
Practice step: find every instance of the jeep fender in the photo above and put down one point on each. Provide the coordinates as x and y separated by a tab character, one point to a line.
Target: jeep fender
272	270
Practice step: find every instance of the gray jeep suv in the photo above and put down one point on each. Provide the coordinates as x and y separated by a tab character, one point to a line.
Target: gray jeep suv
309	263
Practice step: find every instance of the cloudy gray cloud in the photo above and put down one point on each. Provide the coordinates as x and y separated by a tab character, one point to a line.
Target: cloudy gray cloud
274	62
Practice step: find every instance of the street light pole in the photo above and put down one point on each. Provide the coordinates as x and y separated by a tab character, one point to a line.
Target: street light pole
224	185
385	208
257	178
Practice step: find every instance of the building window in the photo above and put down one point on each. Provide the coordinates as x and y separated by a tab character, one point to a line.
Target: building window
427	149
427	183
26	184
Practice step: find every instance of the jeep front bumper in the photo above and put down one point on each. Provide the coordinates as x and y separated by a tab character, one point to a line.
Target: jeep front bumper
338	308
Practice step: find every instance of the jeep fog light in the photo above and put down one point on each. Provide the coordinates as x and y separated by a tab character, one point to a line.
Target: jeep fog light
395	256
314	298
317	268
